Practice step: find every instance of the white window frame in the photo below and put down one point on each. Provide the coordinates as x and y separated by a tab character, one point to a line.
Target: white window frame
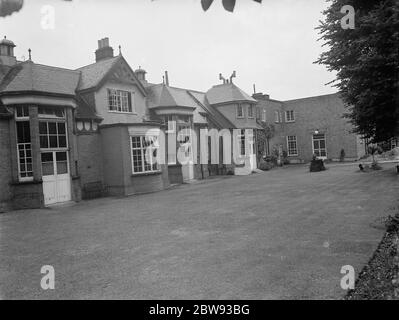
325	142
23	146
118	101
240	106
143	154
288	114
289	153
47	121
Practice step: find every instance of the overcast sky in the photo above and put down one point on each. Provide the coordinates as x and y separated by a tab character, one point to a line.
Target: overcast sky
272	45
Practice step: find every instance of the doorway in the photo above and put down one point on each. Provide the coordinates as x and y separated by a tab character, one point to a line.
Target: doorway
56	177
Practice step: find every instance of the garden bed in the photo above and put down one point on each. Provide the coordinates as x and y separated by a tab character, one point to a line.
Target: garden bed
379	278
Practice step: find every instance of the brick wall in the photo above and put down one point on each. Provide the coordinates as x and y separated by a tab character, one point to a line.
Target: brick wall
5	165
90	163
117	162
321	113
324	114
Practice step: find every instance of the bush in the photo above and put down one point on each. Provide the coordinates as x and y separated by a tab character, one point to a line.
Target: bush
375	166
317	165
265	166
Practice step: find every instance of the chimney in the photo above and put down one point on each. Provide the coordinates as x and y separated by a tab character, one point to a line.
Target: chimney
140	74
166	78
104	50
7	57
260	96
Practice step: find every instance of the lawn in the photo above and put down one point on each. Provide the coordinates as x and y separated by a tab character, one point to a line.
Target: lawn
281	234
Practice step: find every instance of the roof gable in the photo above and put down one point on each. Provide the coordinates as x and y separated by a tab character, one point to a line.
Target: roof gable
113	69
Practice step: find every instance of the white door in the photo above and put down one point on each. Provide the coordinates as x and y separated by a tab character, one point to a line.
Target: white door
319	146
56	177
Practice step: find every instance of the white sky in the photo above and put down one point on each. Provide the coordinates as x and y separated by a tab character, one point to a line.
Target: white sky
272	44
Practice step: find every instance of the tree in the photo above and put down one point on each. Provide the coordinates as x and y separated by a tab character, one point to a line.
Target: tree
366	60
8	7
227	4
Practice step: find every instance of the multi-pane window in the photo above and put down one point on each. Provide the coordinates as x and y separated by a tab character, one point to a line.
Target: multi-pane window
144	154
119	101
24	150
289	116
292	146
52	135
240	111
250	111
24	146
319	145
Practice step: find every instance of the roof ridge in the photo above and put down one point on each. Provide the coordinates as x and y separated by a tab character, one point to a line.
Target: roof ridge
311	97
94	63
53	67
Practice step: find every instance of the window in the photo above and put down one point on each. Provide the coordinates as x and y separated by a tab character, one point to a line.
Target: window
264	115
170	123
22	112
52	135
277	116
144	154
289	116
250	111
25	170
119	101
46	112
242	142
319	145
240	111
292	146
257	113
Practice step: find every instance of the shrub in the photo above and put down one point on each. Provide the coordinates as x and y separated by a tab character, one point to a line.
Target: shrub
375	166
317	165
265	166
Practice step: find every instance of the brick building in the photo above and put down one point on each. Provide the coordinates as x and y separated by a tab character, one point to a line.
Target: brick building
102	129
311	126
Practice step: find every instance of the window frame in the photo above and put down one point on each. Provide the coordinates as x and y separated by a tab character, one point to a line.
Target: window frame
288	114
118	101
56	121
27	146
290	149
250	107
142	149
240	106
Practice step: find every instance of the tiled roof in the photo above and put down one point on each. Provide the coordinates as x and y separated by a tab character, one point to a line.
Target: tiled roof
85	110
92	74
227	92
161	95
3	71
29	76
214	115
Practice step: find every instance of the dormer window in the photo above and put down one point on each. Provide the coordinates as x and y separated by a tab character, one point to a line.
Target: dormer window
240	111
120	101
